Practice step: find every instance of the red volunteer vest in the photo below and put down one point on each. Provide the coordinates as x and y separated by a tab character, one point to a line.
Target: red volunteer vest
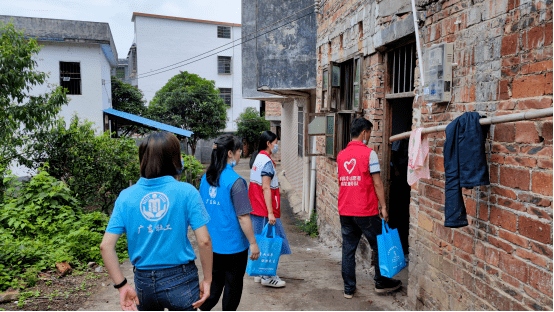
357	195
256	192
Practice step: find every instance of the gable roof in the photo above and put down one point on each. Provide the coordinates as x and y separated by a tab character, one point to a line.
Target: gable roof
182	19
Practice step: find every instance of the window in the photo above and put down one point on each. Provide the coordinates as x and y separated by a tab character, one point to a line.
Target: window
120	73
224	32
402	62
342	98
300	131
226	95
223	64
70	77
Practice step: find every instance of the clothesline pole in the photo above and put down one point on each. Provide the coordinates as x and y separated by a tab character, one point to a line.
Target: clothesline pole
539	113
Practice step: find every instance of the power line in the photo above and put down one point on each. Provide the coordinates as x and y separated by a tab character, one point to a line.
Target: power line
223	49
155	70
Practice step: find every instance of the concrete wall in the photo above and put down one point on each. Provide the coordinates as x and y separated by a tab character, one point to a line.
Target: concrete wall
503	259
162	41
284	58
94	68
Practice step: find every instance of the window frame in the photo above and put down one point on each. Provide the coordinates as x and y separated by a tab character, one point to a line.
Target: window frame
300	115
66	75
117	72
230	94
221	62
221	32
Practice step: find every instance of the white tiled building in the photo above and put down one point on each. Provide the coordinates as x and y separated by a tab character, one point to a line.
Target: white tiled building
161	41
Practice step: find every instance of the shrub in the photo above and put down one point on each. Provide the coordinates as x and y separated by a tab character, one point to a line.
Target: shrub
310	226
192	171
96	168
250	125
41	223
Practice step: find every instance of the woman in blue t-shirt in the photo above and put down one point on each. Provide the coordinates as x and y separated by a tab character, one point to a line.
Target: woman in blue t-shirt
225	196
156	213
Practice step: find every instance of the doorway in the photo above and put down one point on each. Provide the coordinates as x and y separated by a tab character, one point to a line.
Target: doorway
399	189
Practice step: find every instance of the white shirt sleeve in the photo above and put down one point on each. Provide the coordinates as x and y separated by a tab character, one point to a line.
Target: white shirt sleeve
374	163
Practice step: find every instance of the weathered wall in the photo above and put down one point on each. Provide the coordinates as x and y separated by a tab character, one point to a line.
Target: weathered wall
503	259
290	161
272	108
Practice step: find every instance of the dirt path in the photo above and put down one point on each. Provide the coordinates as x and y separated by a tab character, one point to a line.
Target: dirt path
312	273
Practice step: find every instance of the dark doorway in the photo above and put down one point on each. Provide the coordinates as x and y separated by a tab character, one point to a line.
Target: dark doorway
399	193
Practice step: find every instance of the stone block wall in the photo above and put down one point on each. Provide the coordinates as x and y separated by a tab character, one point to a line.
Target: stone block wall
503	48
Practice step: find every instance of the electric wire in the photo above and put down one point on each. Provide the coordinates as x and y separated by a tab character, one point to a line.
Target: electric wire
155	70
221	50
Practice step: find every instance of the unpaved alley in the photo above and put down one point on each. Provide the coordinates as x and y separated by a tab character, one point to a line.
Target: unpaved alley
312	273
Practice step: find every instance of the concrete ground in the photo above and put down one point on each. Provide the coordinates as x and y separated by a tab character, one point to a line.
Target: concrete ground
312	273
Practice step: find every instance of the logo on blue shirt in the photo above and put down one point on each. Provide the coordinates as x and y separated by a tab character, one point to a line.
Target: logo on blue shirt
213	192
154	206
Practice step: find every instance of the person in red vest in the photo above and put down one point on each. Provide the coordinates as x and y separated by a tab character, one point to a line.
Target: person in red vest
265	199
360	193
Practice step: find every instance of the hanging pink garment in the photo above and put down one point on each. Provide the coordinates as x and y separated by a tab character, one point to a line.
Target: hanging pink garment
418	152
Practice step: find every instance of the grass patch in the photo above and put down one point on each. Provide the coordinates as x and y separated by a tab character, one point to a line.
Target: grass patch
310	226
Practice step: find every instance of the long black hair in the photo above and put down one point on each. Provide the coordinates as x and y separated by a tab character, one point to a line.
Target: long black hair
222	145
262	144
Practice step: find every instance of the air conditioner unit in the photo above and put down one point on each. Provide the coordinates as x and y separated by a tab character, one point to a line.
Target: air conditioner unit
437	64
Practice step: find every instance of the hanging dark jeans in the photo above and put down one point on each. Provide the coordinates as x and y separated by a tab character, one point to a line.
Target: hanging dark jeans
352	229
465	165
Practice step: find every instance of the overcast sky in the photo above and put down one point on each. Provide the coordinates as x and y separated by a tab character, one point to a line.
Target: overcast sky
118	13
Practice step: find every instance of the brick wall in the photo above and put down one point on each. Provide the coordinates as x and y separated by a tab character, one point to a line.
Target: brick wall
503	259
272	108
290	161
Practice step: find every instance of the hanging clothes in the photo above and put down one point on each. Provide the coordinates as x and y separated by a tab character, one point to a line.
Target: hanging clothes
465	165
418	161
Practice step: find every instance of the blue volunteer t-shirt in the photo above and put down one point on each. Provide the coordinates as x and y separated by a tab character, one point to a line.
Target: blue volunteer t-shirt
156	214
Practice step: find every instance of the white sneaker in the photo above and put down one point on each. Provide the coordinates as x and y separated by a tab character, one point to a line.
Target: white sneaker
273	281
257	279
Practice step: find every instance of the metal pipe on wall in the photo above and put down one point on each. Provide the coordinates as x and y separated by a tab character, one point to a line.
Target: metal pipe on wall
539	113
312	181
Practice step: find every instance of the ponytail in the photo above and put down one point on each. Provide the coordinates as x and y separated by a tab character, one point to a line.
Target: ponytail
222	145
266	136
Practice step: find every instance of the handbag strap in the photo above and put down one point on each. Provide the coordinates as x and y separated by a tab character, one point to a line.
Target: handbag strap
266	227
385	227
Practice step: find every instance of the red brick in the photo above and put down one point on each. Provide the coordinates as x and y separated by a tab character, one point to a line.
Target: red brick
535	38
534	229
510	280
542	249
537	67
542	183
531	292
506	105
480	250
513	266
546	132
464	242
548	83
503	192
545	163
506	149
425	222
434	193
526	132
505	132
548	34
515	178
534	103
509	44
536	259
492	256
511	61
495	158
528	86
541	280
443	232
500	244
484	212
538	150
493	172
514	205
514	238
491	295
503	218
471	207
520	161
503	90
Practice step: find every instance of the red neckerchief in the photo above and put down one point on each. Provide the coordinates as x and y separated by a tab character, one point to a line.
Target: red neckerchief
266	154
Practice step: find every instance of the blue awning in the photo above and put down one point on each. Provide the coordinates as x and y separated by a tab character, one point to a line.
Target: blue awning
148	122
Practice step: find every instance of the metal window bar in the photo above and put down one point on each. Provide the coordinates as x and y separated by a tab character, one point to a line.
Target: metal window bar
224	64
70	77
225	94
401	68
224	32
300	131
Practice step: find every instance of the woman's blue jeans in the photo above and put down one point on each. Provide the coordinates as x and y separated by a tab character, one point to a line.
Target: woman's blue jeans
174	288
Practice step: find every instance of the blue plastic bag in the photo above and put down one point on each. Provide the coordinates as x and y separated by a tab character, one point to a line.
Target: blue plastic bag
391	255
270	250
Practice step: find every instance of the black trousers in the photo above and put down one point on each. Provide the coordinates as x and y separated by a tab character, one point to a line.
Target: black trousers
352	229
227	278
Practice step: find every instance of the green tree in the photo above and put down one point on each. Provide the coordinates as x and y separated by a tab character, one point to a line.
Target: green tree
20	112
129	99
250	125
190	102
